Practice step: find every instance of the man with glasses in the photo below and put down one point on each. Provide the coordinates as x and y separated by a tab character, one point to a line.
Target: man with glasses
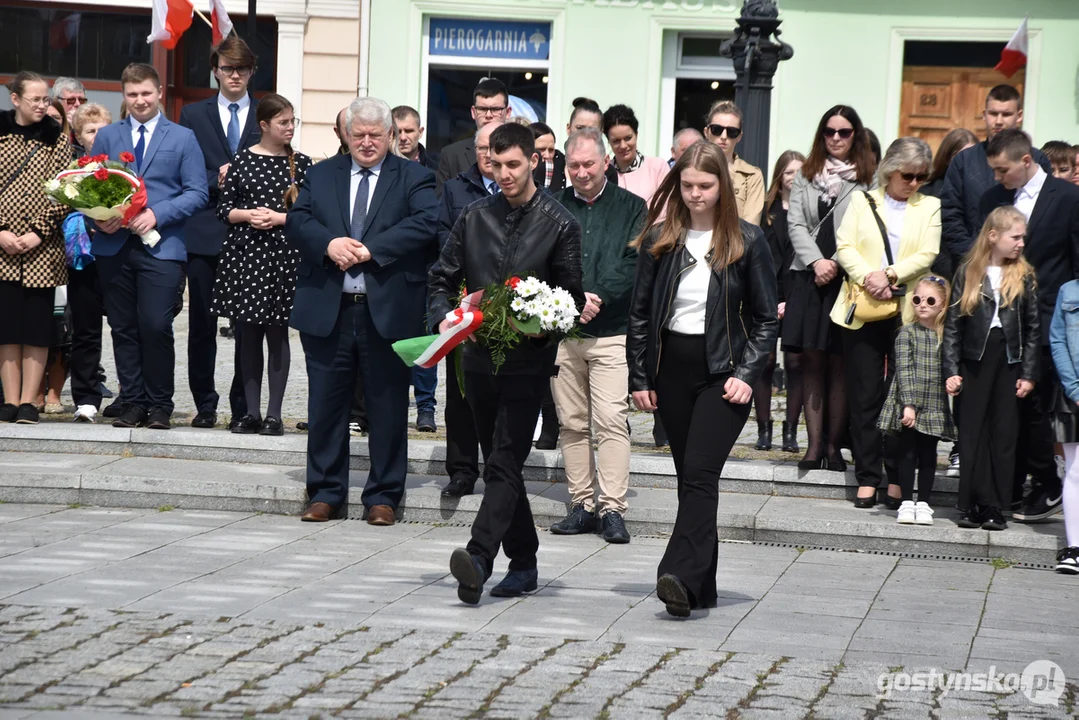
490	102
224	124
72	94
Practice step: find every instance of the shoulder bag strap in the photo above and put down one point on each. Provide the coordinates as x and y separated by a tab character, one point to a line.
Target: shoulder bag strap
18	171
813	232
880	225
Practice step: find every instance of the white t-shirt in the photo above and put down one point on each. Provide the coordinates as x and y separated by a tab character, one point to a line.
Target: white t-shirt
995	274
691	296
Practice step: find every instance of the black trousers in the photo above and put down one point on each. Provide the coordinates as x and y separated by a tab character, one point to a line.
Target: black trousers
868	363
506	408
990	429
87	304
1034	447
917	452
202	340
358	411
462	442
702	428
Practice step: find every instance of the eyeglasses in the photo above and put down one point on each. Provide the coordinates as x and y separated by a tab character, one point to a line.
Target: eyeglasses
74	101
227	70
35	100
914	177
844	133
294	122
928	300
717	130
483	149
497	110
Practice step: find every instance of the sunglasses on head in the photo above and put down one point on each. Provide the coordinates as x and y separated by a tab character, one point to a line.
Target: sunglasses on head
928	299
843	133
913	177
716	130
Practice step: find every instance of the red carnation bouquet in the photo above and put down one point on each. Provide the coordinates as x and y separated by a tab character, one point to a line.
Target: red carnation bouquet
101	189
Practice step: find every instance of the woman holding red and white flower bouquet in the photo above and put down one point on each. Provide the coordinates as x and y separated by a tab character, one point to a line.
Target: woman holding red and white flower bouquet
702	323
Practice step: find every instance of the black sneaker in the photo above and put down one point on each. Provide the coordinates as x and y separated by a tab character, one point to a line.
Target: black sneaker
1038	506
1068	561
993	520
114	409
614	528
272	426
425	421
159	419
578	522
132	417
971	518
247	425
8	413
27	415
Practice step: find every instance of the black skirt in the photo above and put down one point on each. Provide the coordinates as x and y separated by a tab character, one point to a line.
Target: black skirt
806	321
1063	416
27	315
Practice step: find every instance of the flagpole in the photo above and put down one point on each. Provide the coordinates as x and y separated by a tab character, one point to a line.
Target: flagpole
199	13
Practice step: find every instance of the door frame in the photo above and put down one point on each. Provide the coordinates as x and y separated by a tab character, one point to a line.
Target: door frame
1000	32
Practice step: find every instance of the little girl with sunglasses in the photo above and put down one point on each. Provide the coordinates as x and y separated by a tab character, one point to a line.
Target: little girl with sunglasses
991	355
916	408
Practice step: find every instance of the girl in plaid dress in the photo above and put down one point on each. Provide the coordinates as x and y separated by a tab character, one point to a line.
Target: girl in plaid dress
916	408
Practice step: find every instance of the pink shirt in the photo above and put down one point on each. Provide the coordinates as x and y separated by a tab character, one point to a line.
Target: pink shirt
645	180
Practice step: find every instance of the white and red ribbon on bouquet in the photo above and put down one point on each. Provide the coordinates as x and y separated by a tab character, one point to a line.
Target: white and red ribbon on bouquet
426	352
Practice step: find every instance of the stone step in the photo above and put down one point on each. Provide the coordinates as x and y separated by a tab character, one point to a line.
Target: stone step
166	483
425	457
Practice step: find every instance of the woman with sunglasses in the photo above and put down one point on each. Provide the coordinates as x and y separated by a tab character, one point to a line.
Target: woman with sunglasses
724	129
889	237
839	163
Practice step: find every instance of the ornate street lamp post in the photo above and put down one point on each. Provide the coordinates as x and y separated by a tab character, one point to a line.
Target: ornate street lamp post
756	51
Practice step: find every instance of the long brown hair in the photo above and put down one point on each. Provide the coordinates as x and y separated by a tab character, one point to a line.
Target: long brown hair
777	180
1015	272
727	243
950	146
861	155
269	107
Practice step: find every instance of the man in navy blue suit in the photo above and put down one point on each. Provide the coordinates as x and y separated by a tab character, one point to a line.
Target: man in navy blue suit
365	225
224	124
141	281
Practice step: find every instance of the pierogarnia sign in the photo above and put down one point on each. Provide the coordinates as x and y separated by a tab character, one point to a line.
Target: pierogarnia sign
719	6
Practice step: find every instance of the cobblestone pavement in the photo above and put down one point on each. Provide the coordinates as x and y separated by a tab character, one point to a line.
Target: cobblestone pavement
114	613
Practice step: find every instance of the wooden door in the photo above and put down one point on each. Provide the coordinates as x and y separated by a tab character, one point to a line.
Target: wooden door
937	100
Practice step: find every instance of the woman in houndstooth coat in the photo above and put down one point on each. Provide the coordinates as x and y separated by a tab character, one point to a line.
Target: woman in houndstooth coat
33	149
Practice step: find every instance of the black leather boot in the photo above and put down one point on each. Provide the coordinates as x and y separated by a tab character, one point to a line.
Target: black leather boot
790	438
764	436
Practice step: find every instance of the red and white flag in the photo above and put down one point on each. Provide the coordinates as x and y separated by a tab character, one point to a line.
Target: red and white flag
169	21
1014	55
221	24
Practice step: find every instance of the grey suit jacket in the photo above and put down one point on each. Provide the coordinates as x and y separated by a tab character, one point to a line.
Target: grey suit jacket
454	160
803	218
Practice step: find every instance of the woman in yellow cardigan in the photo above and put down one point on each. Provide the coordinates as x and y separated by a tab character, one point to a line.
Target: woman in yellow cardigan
909	222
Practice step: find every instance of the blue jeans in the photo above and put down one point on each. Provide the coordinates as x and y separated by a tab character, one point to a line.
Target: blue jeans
424	382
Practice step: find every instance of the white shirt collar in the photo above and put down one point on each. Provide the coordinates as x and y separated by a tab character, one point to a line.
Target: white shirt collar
243	102
1034	185
375	169
581	197
150	124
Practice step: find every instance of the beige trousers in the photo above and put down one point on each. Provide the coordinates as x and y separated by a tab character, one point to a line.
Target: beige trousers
591	389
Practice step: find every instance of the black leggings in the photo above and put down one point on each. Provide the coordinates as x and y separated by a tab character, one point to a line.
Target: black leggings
702	428
251	361
762	390
916	452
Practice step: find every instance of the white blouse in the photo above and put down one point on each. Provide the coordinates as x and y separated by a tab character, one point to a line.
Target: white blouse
691	296
996	276
894	212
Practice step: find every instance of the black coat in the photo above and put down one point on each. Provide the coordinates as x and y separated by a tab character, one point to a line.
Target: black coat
779	242
457	194
558	176
1052	244
493	241
454	160
741	323
965	335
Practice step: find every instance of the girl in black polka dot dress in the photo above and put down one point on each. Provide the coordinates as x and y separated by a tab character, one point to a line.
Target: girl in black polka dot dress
256	280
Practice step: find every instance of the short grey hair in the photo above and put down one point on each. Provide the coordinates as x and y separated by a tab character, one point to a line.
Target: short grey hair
907	152
370	111
495	123
65	84
587	134
697	135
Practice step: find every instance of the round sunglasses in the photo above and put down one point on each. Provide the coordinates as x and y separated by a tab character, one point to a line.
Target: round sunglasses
928	299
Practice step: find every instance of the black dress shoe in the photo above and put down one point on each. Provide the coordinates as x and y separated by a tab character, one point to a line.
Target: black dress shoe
892	503
159	419
206	419
132	417
27	415
459	486
866	502
247	425
114	409
272	426
836	463
517	583
302	426
818	464
468	570
8	413
673	593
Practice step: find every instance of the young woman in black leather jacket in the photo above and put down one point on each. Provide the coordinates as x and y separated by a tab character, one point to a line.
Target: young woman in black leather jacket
702	322
991	352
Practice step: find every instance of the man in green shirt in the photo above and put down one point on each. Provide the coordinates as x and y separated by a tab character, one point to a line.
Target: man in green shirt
592	383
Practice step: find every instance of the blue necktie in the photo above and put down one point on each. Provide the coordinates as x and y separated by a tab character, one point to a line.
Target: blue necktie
494	189
359	214
140	147
233	135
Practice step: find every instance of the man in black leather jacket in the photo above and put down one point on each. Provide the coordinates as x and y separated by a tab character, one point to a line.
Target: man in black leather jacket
520	231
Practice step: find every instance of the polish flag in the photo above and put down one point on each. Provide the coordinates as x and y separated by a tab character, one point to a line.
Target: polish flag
221	24
170	19
1014	55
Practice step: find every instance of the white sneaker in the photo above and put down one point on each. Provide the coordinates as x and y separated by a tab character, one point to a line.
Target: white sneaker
953	466
907	515
85	414
923	514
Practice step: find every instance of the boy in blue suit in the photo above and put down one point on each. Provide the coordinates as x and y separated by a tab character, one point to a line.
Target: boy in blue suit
142	283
